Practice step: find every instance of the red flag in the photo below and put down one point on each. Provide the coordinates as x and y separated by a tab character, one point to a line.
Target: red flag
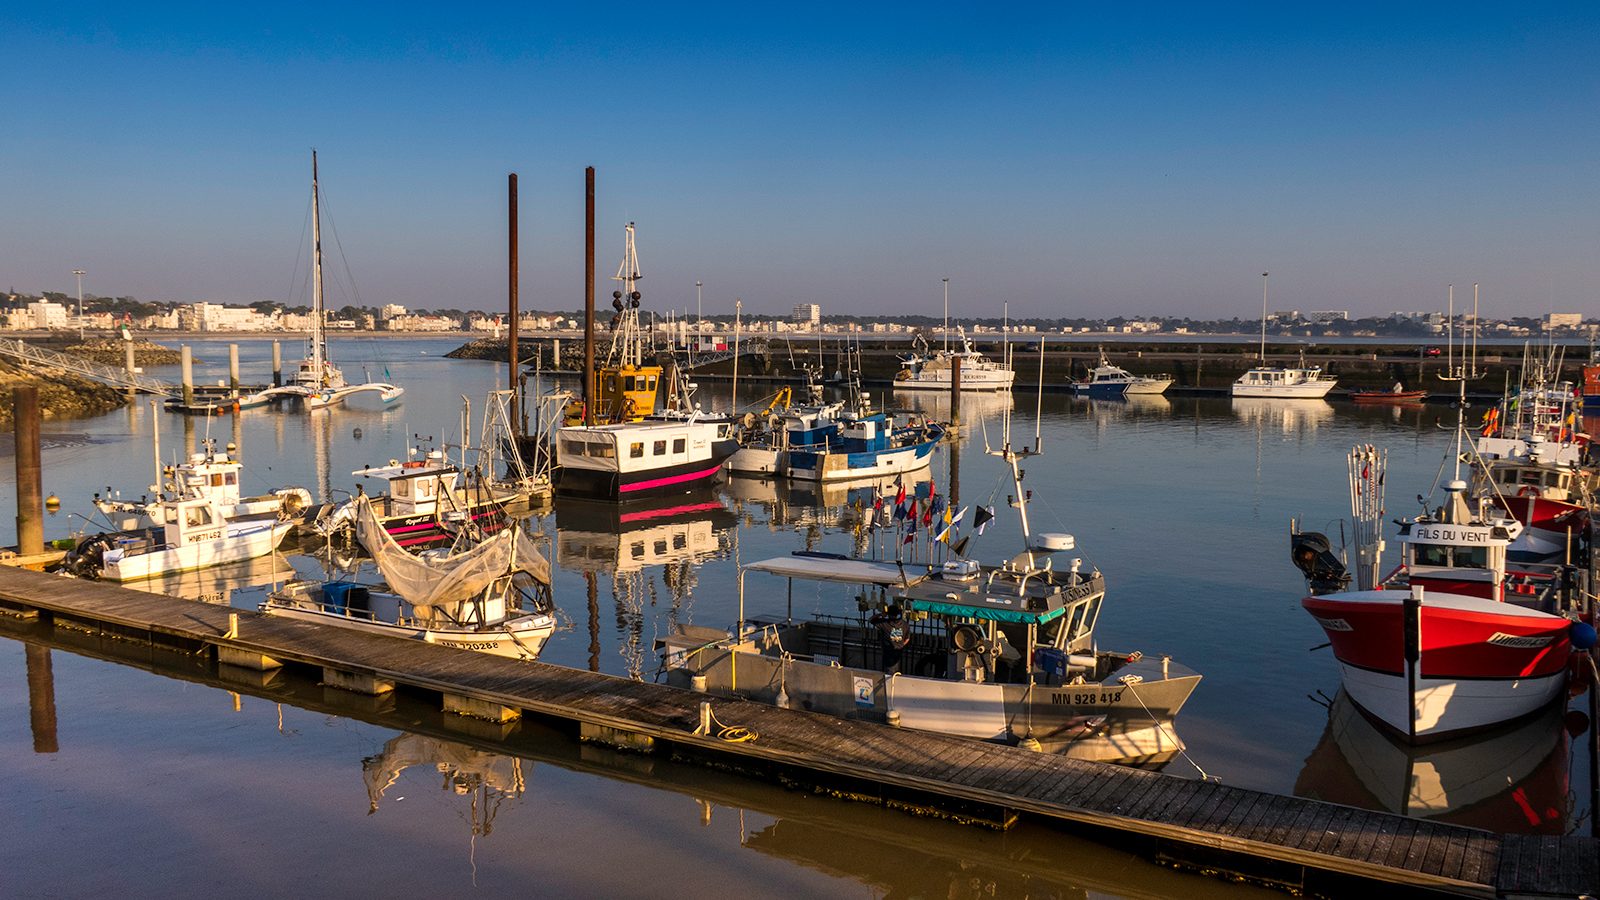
900	496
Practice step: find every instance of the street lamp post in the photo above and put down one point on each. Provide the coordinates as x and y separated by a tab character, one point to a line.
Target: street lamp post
1263	318
80	273
947	315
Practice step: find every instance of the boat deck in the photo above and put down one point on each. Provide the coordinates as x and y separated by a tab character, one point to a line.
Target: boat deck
1297	843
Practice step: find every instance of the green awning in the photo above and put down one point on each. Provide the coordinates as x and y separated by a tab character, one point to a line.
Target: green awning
969	611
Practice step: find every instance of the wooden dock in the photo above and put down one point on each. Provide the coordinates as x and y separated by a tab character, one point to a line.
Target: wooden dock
1299	844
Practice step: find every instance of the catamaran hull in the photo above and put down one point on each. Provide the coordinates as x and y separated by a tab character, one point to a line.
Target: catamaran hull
520	639
1481	663
235	545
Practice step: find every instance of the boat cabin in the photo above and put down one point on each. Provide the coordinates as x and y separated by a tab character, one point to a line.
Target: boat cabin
634	447
626	394
417	486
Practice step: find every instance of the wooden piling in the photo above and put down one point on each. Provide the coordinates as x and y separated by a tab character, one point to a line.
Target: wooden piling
233	368
41	698
277	364
30	473
188	376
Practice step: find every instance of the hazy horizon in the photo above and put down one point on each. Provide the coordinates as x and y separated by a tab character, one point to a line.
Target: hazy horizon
1074	162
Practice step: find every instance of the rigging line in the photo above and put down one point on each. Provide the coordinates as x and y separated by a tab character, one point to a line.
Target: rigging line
294	274
333	227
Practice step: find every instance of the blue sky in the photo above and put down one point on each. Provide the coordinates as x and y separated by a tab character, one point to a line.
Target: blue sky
1072	160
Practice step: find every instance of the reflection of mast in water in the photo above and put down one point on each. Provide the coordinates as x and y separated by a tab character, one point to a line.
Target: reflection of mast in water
41	698
321	454
680	578
594	621
627	589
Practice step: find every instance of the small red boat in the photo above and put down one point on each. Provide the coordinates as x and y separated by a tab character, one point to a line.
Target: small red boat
1394	395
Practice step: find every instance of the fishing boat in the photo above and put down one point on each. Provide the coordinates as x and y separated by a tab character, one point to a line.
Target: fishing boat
1453	640
318	383
1106	381
212	476
626	389
1394	395
766	438
926	369
421	498
635	460
489	595
190	536
867	445
1531	462
993	652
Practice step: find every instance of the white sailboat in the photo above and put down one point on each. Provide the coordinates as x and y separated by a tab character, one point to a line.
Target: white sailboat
317	381
1278	382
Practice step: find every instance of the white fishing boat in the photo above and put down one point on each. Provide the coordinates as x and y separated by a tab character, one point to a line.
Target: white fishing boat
214	477
994	652
190	536
420	498
933	370
766	439
636	460
492	597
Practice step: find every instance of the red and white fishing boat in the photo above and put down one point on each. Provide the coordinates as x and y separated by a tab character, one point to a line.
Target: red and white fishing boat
1451	641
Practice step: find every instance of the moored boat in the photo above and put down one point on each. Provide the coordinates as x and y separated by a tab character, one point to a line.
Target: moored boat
867	446
1396	394
489	596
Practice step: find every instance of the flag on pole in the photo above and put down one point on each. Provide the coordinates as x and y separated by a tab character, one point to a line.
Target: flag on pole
982	518
950	523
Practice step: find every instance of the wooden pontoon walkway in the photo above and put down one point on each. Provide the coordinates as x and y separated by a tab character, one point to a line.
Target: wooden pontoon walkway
1286	840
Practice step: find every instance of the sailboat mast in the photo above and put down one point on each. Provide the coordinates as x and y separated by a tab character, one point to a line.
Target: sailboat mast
318	337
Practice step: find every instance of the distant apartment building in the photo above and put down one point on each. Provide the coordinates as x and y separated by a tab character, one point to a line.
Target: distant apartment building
391	311
47	314
421	323
807	314
1285	315
216	317
1325	316
1555	320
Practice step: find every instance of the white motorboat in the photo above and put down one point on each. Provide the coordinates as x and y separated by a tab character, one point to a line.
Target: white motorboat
211	476
1277	382
491	598
189	538
1106	380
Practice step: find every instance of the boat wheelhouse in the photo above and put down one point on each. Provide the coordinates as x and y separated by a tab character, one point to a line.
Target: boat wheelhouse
867	446
635	460
1304	383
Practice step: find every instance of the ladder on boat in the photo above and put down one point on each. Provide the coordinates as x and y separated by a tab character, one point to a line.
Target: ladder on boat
40	357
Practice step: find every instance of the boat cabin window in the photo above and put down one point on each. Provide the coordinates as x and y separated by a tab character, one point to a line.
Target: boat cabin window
659	448
636	450
650	383
627	382
172	515
216	479
677	445
402	489
230	478
196	516
1446	556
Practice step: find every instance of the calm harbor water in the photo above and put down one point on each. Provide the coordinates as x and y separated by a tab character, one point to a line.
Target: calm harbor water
1184	504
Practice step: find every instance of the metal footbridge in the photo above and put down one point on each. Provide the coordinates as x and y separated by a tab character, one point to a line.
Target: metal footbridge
39	357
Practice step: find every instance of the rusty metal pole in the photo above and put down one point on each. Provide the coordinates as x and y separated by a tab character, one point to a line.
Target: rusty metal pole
516	314
30	489
588	297
41	698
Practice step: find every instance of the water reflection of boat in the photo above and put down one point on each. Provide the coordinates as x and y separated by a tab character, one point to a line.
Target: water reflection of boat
594	536
488	778
1511	779
834	504
1287	416
215	585
976	407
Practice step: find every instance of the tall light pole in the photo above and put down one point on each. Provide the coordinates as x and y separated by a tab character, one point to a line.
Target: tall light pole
947	315
1263	318
697	286
80	273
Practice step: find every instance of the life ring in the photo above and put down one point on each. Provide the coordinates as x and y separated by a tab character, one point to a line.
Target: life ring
1527	490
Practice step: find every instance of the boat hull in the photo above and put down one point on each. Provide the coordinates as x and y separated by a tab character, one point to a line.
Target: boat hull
1482	663
1553	527
1310	390
600	484
520	638
846	466
971	380
1102	391
1149	386
759	461
238	544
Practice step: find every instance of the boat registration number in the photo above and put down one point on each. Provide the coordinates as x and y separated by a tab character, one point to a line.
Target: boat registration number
1086	696
469	645
205	536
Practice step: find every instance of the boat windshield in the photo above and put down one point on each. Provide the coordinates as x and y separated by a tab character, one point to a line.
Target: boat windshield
1446	556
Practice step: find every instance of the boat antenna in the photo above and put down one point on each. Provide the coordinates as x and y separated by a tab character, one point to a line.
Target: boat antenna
947	316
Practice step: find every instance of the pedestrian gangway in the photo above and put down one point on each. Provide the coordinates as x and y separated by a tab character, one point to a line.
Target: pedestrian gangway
39	357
